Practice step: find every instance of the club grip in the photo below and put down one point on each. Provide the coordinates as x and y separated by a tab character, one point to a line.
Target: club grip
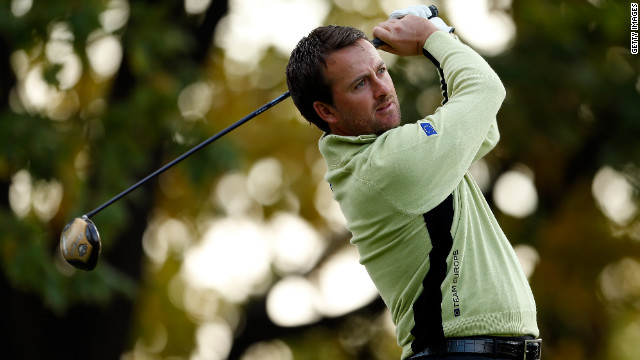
434	11
377	43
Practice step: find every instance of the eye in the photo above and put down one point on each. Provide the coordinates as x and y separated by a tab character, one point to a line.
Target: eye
382	70
360	84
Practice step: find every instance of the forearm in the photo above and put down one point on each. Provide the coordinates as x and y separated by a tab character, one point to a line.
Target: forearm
475	90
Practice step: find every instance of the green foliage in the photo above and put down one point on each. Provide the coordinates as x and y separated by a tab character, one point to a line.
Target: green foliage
28	263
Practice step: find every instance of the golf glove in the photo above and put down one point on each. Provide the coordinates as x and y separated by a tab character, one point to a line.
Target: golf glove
427	12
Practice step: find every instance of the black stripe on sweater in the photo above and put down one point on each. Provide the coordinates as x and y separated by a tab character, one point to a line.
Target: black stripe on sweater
443	82
427	310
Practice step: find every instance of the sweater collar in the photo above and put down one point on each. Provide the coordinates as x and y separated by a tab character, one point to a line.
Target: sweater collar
336	148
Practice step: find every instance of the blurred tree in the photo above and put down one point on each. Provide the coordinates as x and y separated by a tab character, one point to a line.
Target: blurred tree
112	135
572	109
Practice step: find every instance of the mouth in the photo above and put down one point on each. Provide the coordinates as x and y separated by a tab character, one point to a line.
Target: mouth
384	106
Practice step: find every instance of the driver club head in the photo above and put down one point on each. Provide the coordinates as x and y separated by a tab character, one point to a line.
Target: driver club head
80	243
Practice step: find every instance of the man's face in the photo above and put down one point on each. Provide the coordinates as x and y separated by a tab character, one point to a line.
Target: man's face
364	98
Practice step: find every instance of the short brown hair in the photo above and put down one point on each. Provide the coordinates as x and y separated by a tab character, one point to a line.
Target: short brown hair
305	73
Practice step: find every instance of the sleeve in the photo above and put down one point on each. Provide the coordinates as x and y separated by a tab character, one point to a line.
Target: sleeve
418	165
489	142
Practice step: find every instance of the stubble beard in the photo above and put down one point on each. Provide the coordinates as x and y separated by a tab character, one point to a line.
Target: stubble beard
359	124
393	123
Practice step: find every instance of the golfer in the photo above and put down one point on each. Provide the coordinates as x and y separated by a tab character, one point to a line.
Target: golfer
424	232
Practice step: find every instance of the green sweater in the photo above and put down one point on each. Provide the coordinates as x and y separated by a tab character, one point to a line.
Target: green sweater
386	184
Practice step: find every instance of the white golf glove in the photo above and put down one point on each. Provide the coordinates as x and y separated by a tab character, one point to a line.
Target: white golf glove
430	13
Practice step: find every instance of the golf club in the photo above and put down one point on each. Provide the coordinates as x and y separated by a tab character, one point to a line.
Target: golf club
80	242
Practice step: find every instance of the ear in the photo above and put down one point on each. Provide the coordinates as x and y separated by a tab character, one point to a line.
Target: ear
325	111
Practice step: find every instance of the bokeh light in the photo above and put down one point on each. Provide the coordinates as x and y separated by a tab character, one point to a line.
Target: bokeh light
20	7
485	25
529	258
291	302
251	27
44	197
232	258
59	50
619	284
614	195
213	341
104	52
20	192
344	284
47	196
231	193
195	100
115	16
196	6
515	193
268	350
296	245
265	181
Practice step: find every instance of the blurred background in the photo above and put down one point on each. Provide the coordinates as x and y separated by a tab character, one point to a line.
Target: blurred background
240	252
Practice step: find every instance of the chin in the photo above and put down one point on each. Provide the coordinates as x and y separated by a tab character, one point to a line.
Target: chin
388	127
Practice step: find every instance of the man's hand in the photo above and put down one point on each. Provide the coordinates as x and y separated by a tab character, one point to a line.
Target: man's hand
404	36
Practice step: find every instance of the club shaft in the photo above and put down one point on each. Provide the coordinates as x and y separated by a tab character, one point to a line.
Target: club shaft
191	152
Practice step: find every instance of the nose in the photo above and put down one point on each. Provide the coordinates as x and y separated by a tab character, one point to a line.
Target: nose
382	87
